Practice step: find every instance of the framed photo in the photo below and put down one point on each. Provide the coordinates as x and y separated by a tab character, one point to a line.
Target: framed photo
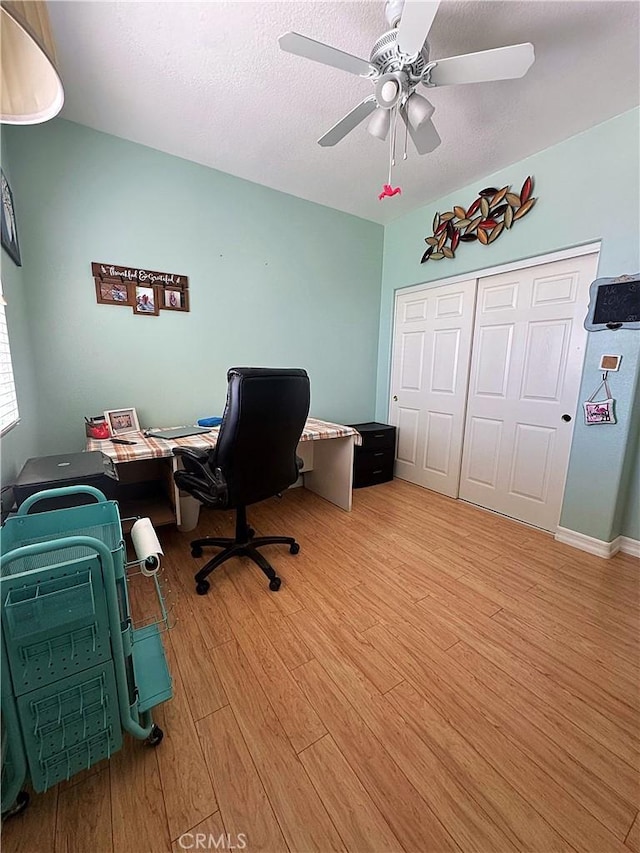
146	300
113	292
122	420
175	299
9	229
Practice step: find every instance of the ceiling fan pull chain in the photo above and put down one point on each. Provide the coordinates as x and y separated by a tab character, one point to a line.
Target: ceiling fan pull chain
392	142
392	152
395	131
406	140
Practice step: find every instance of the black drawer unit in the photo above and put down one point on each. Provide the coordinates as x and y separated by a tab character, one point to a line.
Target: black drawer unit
373	459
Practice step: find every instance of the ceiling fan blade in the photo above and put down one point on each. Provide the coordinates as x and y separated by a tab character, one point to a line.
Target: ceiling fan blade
501	63
415	23
425	138
324	53
346	124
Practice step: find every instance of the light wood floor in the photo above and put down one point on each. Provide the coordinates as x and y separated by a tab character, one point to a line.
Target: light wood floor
430	677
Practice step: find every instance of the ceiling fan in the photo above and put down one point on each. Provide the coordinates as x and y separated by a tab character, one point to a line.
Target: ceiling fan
399	61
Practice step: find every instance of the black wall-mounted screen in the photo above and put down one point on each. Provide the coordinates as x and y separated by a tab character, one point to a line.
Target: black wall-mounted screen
614	303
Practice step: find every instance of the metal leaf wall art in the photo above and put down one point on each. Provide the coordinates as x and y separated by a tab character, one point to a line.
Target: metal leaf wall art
484	220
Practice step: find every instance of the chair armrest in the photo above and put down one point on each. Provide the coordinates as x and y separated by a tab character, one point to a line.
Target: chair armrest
198	478
197	455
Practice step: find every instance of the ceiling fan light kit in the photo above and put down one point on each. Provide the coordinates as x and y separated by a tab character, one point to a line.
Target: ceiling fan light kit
419	110
379	123
399	61
389	89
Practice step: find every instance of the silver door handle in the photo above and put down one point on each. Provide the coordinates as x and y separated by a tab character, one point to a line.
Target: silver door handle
395	398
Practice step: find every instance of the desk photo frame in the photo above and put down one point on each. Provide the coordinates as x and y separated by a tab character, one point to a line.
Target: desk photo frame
122	421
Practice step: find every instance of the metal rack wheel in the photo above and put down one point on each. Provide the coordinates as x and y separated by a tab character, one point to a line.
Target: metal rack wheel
22	801
294	548
155	737
274	584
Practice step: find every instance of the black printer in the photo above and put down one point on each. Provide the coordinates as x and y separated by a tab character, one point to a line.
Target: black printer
92	468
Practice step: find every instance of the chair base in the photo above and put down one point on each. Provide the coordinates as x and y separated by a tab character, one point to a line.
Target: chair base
245	544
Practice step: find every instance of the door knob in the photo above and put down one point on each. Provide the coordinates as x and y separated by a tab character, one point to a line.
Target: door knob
566	418
395	398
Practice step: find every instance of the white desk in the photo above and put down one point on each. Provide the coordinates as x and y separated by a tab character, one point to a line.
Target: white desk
325	448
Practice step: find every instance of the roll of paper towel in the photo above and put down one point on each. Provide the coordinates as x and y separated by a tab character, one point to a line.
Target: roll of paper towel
146	546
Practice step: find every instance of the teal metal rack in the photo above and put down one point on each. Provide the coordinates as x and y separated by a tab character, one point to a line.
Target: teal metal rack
76	670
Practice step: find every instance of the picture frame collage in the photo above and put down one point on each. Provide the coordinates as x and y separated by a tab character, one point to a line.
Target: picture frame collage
146	292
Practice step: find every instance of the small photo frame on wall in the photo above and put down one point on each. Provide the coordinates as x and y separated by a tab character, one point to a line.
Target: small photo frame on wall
9	229
175	299
121	421
146	300
113	292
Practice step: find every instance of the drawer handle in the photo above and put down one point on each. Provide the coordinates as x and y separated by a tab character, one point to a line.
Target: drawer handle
379	453
379	435
378	471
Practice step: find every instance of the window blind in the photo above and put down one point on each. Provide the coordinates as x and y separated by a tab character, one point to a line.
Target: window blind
8	401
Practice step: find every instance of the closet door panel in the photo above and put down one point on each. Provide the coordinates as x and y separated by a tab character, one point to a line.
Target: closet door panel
429	377
526	366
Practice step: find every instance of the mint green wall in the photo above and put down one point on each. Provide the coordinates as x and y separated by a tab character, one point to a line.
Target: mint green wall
19	443
630	509
274	281
631	521
280	281
588	190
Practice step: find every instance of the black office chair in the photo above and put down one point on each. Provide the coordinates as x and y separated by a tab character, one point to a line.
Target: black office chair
254	458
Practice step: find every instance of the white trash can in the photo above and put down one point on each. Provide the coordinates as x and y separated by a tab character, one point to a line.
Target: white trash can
189	511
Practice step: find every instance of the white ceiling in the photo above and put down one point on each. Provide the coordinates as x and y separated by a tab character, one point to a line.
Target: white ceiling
207	81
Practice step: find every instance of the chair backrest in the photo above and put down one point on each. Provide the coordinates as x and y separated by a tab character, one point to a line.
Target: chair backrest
263	420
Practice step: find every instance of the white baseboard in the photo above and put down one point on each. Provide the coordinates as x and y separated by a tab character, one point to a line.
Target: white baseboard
587	543
598	546
630	546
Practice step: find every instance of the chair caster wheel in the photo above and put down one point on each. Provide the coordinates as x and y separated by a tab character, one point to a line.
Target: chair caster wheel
155	737
202	587
250	532
274	584
294	548
196	552
22	801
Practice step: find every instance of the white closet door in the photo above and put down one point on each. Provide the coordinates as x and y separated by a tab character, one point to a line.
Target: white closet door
528	350
430	371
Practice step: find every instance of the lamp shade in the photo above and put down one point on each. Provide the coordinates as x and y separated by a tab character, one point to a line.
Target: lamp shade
30	86
379	123
419	110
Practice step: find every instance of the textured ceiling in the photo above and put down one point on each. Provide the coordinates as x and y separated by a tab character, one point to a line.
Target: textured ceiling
207	81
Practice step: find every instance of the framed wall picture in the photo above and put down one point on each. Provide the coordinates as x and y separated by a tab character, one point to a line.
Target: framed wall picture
148	292
122	421
146	300
9	229
113	292
175	299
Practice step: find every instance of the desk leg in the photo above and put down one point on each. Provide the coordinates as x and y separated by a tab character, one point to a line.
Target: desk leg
332	475
176	463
